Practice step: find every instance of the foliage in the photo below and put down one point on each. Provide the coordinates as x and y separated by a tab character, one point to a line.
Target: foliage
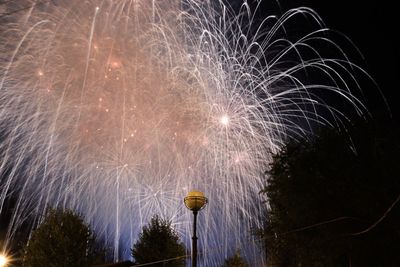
235	261
63	239
159	241
118	264
323	193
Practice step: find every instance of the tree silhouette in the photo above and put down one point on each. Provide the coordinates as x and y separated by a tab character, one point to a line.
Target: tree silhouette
332	200
62	240
235	261
158	242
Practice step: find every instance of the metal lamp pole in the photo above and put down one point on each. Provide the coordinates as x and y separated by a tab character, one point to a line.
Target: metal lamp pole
194	240
195	201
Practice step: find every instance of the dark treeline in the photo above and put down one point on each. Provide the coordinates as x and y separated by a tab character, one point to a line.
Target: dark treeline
334	199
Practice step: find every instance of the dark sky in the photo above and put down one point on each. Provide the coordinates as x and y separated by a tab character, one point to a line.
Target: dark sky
371	26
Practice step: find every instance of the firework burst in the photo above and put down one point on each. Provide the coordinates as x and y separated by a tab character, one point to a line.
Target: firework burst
116	109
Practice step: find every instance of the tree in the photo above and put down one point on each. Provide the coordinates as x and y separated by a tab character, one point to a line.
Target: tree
333	199
235	261
63	239
159	241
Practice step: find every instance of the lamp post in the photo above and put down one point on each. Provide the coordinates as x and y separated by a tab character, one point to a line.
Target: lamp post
195	201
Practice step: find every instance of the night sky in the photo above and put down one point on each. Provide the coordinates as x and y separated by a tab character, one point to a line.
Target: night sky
371	25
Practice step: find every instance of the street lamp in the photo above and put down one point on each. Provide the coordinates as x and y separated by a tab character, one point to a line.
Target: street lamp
195	201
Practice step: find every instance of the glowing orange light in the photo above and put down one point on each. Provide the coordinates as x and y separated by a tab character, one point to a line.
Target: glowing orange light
115	64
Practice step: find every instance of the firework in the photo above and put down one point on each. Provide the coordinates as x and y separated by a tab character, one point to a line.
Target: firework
116	109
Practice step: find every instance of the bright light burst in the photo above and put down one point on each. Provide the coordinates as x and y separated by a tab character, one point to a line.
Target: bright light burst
224	120
116	109
3	260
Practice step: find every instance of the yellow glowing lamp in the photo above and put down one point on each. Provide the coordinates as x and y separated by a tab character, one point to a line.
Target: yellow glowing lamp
3	260
195	200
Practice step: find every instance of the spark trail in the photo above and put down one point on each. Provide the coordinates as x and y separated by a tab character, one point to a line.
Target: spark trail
116	109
